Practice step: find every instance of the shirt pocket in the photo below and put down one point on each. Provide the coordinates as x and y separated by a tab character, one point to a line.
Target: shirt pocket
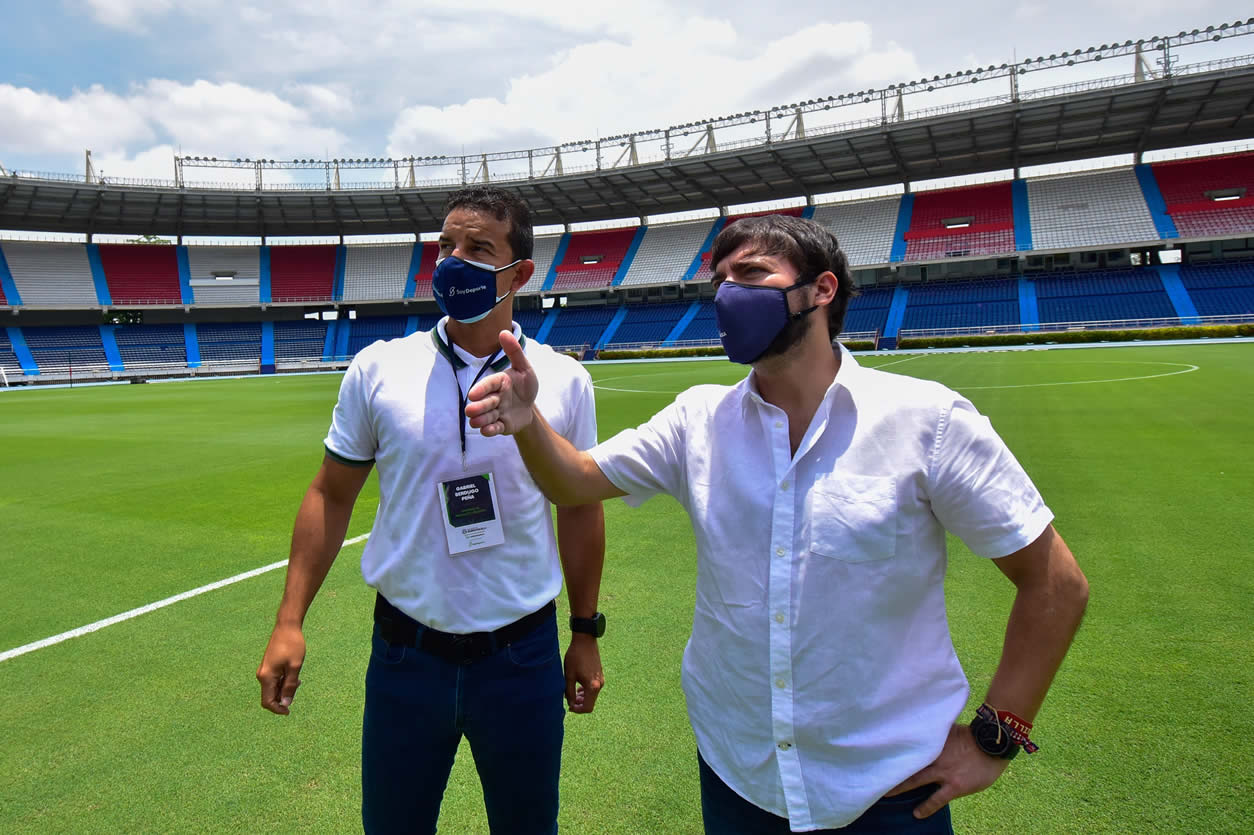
854	518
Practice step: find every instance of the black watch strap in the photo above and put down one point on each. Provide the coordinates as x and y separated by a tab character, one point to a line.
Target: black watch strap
594	626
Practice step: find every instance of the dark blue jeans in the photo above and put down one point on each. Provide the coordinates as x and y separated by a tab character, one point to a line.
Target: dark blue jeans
509	707
727	813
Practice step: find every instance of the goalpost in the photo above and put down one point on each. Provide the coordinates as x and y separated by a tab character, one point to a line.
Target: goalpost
4	378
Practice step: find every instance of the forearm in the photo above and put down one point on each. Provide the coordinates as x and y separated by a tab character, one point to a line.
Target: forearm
1042	623
564	474
581	546
316	541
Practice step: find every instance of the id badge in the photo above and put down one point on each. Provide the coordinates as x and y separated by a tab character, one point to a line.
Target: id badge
472	518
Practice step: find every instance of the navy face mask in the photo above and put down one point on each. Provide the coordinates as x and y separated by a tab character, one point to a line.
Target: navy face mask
466	290
750	317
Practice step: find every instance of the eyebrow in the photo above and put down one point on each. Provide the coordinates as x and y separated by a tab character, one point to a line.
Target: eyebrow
747	261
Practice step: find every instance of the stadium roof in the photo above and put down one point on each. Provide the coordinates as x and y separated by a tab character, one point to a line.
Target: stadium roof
1088	120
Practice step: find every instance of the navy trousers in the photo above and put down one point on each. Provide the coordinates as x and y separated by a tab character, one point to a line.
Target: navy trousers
507	705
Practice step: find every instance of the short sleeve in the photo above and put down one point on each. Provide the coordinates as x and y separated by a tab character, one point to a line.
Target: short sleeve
351	439
979	491
647	460
582	430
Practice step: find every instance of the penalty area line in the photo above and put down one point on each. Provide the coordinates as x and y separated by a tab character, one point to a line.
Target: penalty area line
152	607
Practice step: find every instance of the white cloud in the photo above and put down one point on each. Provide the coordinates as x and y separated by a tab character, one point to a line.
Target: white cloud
686	70
34	123
202	117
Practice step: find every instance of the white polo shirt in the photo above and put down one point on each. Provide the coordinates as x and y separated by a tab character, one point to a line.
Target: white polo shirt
820	672
398	408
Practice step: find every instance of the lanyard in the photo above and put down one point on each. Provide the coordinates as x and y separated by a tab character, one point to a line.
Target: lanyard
496	362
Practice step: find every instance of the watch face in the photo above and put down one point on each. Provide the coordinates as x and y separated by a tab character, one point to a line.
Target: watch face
992	739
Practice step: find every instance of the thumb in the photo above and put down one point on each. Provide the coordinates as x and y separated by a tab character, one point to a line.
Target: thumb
513	350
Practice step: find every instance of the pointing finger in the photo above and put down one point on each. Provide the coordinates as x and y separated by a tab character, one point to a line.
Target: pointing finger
488	385
513	350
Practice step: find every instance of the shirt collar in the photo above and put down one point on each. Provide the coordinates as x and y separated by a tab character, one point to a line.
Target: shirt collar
459	357
846	376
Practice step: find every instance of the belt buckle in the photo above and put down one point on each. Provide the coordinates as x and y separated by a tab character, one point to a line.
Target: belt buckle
471	647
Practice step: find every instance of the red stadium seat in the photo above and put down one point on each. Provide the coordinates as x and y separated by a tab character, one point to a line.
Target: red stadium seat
302	273
141	273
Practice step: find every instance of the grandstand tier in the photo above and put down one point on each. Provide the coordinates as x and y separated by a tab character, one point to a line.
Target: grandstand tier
864	228
1088	210
592	259
59	349
666	252
151	346
372	273
965	304
141	274
648	324
868	311
579	326
1209	196
230	343
302	273
51	274
1103	296
974	220
1221	289
225	275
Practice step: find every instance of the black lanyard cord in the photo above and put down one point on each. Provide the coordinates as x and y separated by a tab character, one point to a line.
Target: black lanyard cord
464	399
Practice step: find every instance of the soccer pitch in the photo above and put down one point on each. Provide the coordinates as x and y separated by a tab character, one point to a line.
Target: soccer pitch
116	497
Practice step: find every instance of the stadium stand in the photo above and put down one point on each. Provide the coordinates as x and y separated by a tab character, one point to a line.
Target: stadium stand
703	272
51	275
426	267
303	339
542	254
1102	296
1221	289
302	273
147	345
650	323
975	220
703	326
580	326
240	264
962	304
1190	188
863	228
372	273
868	311
529	321
61	348
141	274
8	359
1087	210
236	343
666	253
374	328
592	259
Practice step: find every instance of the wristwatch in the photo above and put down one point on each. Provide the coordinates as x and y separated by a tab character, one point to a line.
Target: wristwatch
993	738
594	626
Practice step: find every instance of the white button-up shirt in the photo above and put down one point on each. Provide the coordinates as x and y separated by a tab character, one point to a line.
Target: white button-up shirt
398	407
820	671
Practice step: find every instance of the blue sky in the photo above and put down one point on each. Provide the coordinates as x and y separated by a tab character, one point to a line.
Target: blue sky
136	80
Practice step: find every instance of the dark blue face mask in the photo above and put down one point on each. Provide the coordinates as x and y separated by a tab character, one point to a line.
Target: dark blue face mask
750	317
466	290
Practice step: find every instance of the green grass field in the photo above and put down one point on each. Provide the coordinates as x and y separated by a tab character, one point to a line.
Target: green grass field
115	497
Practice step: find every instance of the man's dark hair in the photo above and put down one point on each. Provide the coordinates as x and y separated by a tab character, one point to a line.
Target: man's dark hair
502	205
809	247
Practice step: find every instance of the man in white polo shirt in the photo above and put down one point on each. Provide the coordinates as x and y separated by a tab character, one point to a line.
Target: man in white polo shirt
462	552
820	679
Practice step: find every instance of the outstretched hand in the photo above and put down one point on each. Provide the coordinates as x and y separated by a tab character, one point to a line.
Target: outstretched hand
503	403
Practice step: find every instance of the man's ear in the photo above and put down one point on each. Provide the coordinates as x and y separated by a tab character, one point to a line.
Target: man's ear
826	288
526	269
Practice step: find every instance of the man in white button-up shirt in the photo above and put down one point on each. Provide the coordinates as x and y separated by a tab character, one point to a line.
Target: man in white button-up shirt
821	682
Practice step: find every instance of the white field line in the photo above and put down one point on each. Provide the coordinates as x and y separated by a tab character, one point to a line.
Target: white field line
152	607
894	362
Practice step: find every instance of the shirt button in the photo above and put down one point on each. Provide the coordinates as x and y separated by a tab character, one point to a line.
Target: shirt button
779	424
779	682
779	617
784	746
783	485
779	552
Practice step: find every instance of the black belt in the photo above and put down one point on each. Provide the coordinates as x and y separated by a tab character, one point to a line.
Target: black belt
396	627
